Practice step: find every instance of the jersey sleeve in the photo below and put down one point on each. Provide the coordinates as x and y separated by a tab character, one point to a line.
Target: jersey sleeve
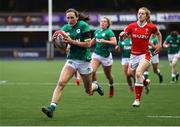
86	35
111	34
120	44
178	38
154	41
128	29
154	29
85	27
167	38
63	28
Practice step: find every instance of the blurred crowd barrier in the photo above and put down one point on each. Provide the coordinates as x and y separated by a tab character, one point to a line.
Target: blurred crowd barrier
26	34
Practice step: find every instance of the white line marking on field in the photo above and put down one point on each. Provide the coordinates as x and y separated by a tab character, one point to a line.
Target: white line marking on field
165	117
72	83
2	82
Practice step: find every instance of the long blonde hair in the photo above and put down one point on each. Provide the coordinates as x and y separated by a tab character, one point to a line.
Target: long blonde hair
148	12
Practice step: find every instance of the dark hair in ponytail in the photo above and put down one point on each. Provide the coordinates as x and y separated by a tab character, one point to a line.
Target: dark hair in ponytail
80	16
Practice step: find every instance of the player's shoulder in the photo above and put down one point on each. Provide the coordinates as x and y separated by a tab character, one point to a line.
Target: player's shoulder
97	30
168	36
151	25
133	24
83	23
65	27
108	30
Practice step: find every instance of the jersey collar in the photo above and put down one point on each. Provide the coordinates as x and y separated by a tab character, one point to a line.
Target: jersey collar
142	25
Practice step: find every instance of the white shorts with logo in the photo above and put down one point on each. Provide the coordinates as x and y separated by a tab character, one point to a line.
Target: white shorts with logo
125	61
105	61
135	60
176	57
155	59
171	57
82	66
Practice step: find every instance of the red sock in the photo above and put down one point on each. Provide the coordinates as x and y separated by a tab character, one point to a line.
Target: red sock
138	91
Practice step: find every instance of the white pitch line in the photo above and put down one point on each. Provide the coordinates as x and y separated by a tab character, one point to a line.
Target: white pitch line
72	83
164	117
47	83
2	82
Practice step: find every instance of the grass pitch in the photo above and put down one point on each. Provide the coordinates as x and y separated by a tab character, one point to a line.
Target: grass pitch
26	86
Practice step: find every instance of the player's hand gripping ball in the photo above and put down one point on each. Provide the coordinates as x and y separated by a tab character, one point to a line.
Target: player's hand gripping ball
58	38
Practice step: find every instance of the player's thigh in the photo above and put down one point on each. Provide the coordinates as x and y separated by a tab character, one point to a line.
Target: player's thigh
107	70
170	58
125	68
155	66
176	58
143	65
95	64
130	71
66	73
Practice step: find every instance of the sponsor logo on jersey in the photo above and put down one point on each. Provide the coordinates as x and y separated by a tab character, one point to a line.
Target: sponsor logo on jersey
78	31
146	31
140	36
103	34
127	47
88	69
174	45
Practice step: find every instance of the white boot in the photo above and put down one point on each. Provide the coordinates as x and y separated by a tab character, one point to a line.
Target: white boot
136	103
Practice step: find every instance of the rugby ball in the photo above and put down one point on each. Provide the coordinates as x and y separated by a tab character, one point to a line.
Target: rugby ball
58	37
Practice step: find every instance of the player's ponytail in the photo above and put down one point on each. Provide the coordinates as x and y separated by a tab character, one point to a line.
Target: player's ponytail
81	16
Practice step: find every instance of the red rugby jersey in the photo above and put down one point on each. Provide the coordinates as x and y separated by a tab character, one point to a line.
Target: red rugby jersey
140	36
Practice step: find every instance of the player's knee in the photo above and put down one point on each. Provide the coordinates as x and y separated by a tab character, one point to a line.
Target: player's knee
129	73
174	64
94	73
61	84
138	75
125	72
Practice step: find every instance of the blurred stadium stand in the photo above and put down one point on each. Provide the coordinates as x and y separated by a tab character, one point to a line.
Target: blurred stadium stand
90	5
23	23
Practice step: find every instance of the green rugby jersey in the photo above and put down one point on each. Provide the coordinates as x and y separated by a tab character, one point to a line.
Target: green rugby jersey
103	49
154	41
174	44
126	47
76	32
